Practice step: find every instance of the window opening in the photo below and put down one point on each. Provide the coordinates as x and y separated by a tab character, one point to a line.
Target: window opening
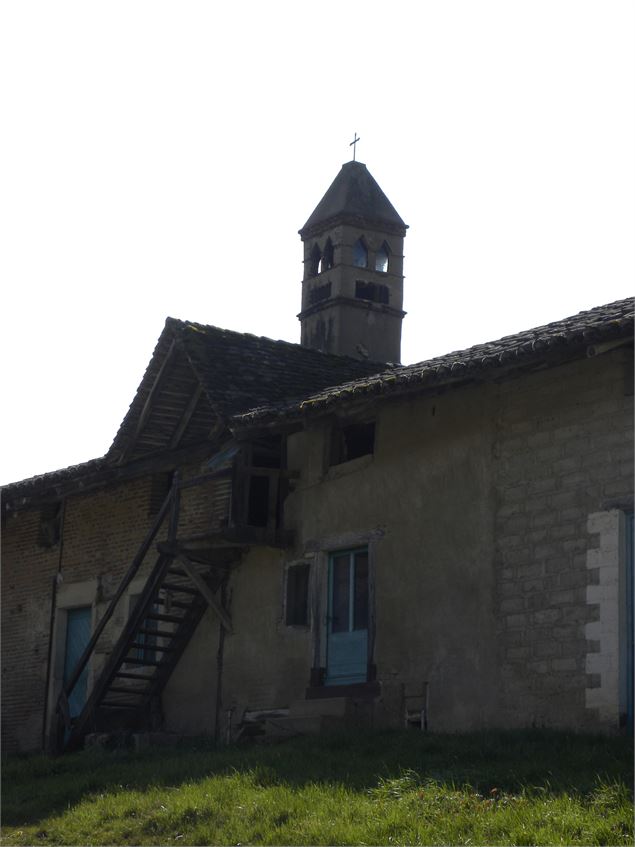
297	595
371	291
349	606
328	260
381	259
314	261
258	502
352	442
321	292
360	254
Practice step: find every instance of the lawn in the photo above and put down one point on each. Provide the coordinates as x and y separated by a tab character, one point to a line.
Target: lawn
380	788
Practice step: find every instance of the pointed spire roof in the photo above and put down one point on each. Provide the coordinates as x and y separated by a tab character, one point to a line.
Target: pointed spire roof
354	195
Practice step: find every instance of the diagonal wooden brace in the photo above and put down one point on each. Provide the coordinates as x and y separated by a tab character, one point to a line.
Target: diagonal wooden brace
206	591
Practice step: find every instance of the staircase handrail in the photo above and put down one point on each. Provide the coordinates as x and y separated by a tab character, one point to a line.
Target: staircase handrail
129	576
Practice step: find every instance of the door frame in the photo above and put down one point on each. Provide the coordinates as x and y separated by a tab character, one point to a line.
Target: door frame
322	549
350	554
69	596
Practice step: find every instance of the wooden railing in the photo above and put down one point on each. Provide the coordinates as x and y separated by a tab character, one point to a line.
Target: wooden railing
170	504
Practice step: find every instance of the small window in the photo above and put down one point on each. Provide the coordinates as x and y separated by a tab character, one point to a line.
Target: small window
315	261
297	595
369	291
381	259
360	254
322	292
352	442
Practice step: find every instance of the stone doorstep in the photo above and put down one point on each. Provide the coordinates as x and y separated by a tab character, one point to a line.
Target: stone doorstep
335	706
279	728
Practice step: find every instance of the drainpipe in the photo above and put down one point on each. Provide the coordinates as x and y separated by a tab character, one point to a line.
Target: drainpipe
57	579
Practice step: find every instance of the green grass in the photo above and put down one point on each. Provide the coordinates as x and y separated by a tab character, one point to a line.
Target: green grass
380	788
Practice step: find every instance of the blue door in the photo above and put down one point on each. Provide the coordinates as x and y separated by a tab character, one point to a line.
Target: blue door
78	629
630	622
347	631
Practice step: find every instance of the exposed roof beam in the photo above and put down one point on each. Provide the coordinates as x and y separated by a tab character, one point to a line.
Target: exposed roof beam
147	406
186	416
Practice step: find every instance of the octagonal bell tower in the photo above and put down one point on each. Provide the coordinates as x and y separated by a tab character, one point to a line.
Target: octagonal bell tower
352	290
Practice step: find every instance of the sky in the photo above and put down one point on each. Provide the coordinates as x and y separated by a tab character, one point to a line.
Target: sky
158	158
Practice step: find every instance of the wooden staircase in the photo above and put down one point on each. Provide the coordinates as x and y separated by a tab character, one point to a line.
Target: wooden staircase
164	618
188	577
180	587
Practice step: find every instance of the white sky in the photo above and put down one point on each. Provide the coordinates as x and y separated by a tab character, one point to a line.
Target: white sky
158	159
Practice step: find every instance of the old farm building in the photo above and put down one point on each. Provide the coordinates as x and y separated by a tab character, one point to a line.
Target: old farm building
283	537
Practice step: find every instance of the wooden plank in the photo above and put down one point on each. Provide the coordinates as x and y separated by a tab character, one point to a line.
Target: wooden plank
132	570
147	406
159	617
186	417
207	593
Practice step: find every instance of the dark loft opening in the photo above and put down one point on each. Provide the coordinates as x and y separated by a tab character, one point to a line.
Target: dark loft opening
258	502
352	441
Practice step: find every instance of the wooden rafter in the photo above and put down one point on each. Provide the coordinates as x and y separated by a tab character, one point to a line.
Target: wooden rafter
206	591
147	406
186	416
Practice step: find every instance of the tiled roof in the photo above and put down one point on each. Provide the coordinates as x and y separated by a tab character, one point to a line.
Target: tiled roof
240	371
354	194
565	338
25	487
251	380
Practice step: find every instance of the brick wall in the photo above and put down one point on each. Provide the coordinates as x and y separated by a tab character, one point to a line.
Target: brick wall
564	449
101	534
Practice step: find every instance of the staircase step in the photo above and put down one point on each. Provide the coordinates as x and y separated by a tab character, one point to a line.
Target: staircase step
140	676
156	616
176	604
184	589
151	648
134	692
156	633
132	661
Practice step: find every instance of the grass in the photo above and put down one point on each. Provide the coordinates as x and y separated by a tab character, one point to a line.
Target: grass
380	788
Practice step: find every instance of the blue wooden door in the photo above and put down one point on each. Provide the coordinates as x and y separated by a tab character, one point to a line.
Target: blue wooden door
78	629
347	630
630	622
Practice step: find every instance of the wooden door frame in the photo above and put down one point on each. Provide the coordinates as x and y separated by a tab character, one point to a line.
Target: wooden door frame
322	549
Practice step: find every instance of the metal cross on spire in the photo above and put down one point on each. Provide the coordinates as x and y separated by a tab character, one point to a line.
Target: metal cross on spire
353	143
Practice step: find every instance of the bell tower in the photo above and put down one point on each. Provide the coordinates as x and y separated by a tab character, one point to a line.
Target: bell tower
352	290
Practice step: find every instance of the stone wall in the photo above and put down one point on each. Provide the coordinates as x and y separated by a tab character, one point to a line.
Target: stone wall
563	450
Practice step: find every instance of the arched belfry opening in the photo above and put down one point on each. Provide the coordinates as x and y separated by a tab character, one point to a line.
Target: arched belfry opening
356	308
360	254
315	260
382	258
328	259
